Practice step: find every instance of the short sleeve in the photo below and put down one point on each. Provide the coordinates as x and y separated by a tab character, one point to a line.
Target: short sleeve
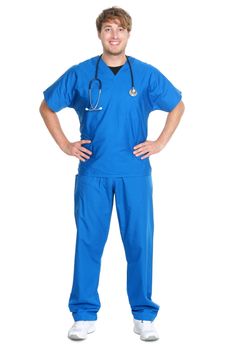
61	93
163	95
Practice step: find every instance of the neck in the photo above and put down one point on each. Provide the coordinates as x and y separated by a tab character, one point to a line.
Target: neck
114	60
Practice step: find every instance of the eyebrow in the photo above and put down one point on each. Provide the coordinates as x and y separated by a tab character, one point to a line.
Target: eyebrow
110	26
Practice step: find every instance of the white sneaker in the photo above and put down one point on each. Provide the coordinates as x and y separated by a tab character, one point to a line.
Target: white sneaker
81	329
146	330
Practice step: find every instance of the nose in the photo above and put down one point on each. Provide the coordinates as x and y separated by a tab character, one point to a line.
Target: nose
115	34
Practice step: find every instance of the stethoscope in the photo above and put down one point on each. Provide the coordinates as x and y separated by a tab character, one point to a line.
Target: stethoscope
94	107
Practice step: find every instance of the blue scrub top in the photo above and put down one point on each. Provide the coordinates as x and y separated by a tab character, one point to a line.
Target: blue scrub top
122	123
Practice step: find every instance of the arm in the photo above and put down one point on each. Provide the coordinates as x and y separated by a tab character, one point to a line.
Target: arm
52	122
152	147
173	119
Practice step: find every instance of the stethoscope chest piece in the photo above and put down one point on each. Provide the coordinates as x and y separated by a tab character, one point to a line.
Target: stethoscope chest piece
133	92
93	107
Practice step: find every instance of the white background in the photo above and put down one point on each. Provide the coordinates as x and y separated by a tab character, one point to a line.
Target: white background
189	41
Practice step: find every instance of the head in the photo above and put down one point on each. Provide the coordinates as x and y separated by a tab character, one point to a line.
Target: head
114	26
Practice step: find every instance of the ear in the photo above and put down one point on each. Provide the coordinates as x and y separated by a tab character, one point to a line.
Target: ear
98	33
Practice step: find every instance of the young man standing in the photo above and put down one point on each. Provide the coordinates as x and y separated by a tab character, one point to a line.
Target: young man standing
113	95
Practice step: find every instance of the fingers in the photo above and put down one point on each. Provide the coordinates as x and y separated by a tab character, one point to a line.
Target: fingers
146	149
139	145
141	149
83	149
82	153
147	155
84	141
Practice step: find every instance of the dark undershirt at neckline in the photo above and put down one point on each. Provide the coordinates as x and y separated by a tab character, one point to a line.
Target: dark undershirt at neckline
115	70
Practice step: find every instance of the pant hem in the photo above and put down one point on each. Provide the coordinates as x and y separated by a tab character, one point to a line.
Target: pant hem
84	317
144	316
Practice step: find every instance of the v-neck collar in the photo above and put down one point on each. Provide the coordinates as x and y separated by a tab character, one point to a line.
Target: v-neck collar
104	68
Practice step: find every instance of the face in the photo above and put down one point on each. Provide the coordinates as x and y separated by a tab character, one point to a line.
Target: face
114	37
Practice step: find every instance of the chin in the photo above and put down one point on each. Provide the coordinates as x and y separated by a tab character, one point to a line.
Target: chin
114	52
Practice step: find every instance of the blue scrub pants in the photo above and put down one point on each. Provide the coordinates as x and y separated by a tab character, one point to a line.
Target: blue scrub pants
93	208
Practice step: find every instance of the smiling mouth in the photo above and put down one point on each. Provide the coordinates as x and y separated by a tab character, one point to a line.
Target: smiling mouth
114	43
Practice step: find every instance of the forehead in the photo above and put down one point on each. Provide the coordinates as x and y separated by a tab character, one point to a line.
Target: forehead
112	23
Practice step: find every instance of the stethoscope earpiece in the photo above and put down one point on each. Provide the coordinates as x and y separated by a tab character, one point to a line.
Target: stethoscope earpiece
93	108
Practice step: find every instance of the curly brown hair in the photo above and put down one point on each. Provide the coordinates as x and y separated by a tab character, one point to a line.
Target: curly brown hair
114	13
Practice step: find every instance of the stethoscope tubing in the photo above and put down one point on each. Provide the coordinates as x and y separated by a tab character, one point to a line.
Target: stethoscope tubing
95	107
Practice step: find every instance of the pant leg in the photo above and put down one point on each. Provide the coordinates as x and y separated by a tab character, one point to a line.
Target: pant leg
93	208
134	204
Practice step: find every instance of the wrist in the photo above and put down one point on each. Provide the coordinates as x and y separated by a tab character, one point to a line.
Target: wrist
159	144
65	146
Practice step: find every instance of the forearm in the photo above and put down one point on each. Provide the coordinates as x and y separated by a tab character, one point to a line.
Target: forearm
52	122
171	124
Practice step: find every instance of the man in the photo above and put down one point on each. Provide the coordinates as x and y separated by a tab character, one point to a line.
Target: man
113	95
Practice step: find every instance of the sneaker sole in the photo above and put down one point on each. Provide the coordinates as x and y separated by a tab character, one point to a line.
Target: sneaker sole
150	338
77	337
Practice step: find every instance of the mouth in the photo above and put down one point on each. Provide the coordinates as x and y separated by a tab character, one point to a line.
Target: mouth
114	43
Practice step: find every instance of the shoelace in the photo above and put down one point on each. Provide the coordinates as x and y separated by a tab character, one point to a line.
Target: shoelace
147	325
